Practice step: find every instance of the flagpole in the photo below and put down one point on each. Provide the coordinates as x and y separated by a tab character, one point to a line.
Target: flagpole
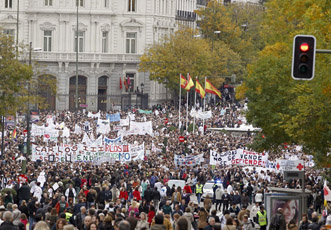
187	106
195	102
180	99
204	108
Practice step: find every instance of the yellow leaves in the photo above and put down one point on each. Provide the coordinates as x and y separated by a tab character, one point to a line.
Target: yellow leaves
241	91
277	49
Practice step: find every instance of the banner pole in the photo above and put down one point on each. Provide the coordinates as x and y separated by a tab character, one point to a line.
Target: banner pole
195	102
187	99
180	99
204	108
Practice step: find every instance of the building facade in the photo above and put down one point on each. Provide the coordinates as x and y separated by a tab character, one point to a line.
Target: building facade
110	38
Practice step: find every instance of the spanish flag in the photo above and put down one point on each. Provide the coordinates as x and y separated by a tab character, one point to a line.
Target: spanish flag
14	134
212	89
199	89
190	83
183	81
126	84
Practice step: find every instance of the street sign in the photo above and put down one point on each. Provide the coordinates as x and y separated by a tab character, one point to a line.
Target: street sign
181	139
288	165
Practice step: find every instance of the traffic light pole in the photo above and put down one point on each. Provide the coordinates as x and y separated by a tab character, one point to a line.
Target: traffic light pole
323	51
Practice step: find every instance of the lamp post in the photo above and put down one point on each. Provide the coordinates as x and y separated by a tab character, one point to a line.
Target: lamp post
142	95
212	41
2	129
77	47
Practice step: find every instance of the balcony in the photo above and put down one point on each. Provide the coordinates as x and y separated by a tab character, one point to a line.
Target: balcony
85	57
186	15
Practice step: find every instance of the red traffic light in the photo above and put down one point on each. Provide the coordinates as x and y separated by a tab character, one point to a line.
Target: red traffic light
304	47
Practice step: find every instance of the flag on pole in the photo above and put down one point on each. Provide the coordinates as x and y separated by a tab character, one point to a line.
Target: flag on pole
212	89
183	81
129	82
327	193
199	89
121	83
126	84
190	83
14	134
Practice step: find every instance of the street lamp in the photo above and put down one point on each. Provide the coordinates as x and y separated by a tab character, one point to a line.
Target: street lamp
3	128
142	88
212	41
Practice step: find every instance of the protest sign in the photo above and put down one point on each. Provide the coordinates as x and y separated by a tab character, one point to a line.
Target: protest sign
222	159
125	122
239	157
145	111
95	152
188	160
141	128
114	117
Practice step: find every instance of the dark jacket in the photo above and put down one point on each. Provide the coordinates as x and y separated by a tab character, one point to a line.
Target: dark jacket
304	226
24	193
8	226
133	222
314	226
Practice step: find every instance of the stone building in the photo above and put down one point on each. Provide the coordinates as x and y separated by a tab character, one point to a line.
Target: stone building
110	38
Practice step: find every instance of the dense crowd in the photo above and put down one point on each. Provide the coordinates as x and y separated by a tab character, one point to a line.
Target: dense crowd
136	194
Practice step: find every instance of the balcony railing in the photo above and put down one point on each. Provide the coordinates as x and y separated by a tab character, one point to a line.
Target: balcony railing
86	57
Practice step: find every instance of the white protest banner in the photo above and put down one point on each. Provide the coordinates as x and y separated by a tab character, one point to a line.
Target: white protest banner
125	122
91	115
138	152
37	130
249	158
223	158
51	135
141	128
112	141
199	114
103	126
188	160
78	129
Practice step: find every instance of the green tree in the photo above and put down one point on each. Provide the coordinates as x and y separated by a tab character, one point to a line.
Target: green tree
239	26
183	53
288	110
13	75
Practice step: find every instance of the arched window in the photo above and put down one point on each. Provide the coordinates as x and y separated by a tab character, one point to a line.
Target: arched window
102	93
82	86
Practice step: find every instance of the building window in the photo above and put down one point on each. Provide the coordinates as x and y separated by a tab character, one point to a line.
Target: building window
80	3
9	32
48	2
131	43
8	3
80	42
104	42
132	5
131	82
47	40
106	3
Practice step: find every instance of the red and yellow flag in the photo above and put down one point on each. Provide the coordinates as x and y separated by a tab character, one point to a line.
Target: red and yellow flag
212	89
199	89
14	133
190	83
126	84
183	81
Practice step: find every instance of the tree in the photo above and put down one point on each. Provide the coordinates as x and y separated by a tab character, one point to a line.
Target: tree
239	26
13	75
183	53
287	110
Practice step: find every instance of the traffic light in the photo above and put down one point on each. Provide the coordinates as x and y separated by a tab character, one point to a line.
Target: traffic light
303	59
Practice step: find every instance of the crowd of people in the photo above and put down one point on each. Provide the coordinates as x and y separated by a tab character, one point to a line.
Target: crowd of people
136	195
